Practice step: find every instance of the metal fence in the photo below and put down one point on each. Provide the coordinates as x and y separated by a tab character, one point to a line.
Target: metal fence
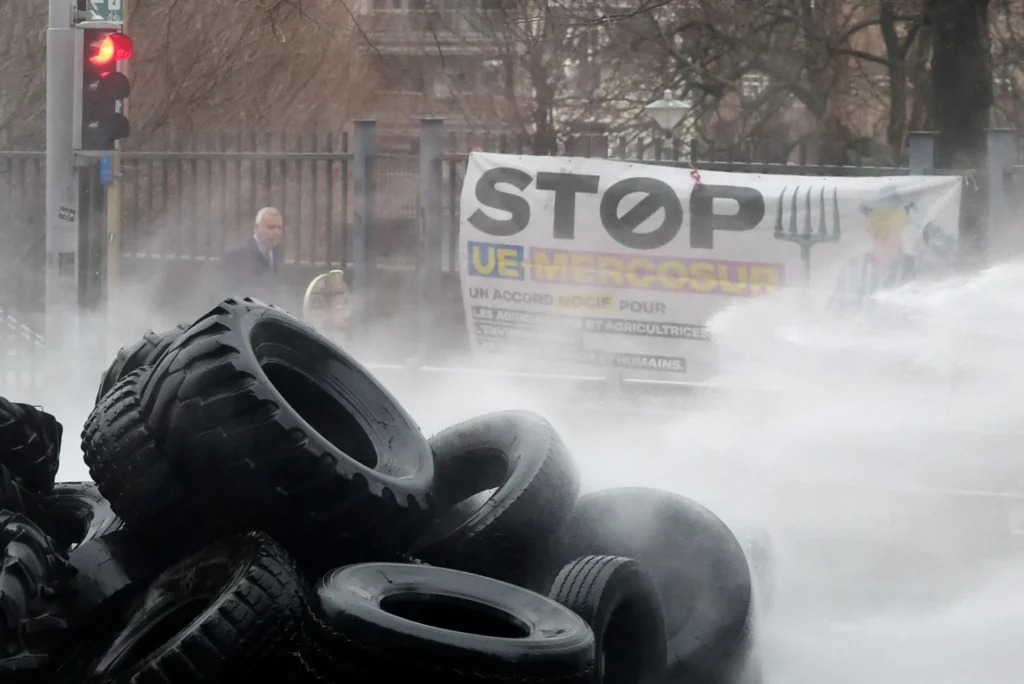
22	260
191	198
390	219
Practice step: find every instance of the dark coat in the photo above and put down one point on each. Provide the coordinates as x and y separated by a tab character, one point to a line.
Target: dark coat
247	273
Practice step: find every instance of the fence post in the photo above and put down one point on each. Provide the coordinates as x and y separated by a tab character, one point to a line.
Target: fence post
1001	238
364	185
921	150
429	267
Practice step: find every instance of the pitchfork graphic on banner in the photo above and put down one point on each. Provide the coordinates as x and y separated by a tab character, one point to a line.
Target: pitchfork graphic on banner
804	235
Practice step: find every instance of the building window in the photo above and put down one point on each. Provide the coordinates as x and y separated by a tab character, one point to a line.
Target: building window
397	5
461	80
492	75
1003	86
457	75
753	85
457	78
402	75
470	5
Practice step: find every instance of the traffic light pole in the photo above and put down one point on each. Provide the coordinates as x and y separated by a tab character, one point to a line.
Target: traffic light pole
113	210
113	247
82	126
92	250
62	188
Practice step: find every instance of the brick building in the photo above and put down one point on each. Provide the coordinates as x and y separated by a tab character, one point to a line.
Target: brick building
436	58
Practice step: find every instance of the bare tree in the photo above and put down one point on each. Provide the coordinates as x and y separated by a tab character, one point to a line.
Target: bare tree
900	24
549	55
961	79
788	56
204	64
840	71
823	69
249	65
1007	37
539	64
22	83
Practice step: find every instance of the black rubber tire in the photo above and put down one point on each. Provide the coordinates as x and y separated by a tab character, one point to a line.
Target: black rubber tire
482	629
620	603
30	444
520	456
238	400
112	571
228	613
34	581
75	512
694	560
757	545
104	567
145	352
15	498
147	489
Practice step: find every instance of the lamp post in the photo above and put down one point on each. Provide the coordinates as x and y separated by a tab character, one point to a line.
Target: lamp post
667	112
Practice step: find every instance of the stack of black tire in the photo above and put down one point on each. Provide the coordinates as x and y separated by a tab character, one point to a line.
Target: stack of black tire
275	514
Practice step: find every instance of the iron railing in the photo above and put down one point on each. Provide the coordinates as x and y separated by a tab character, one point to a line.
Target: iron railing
186	199
22	280
197	197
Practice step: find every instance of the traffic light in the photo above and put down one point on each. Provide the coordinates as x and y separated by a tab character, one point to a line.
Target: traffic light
103	89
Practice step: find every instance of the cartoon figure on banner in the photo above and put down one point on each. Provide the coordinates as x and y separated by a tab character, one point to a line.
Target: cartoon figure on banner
805	236
327	305
889	263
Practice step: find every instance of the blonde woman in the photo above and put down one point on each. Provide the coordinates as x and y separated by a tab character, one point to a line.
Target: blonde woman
327	306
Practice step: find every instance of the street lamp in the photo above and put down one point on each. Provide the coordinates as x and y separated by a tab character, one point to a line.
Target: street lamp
667	112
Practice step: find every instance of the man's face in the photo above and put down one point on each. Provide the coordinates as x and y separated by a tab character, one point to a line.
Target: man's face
270	229
886	225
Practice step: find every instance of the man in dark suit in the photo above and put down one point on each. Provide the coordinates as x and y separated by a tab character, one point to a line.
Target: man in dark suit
250	270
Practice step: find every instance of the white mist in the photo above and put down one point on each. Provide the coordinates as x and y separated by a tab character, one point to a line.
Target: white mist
883	453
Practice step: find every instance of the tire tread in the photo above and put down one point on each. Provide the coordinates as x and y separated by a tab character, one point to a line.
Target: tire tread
579	578
30	442
330	655
34	578
130	468
145	352
202	398
255	622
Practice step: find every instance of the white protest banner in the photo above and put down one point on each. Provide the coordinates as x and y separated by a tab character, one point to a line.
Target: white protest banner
573	263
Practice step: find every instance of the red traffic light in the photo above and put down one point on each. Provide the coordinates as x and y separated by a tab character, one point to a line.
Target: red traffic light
111	48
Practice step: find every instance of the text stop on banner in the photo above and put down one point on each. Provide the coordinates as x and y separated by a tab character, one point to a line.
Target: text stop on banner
573	263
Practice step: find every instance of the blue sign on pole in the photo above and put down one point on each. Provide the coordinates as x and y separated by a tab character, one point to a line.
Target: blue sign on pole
105	171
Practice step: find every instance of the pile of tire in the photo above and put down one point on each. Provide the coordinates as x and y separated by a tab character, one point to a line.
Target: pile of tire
262	507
